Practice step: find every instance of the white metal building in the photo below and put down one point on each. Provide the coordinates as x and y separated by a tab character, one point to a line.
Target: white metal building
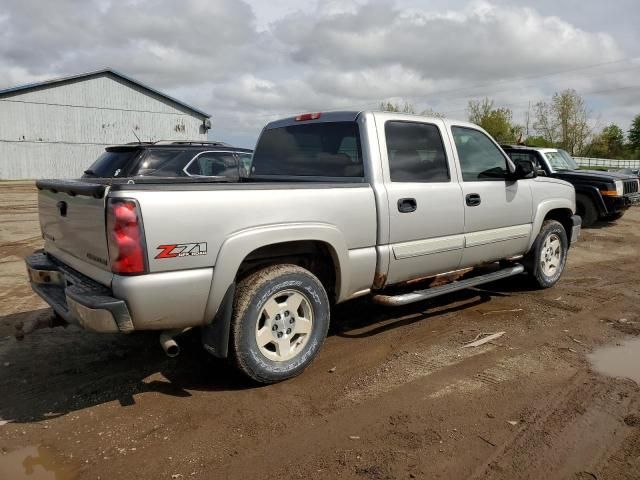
56	129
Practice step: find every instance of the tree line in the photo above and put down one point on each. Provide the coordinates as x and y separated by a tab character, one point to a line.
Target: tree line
562	122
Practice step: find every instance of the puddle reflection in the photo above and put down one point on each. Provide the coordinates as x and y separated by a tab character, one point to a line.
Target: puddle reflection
33	463
618	361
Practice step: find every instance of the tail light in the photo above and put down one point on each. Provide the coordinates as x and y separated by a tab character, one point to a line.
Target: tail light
125	235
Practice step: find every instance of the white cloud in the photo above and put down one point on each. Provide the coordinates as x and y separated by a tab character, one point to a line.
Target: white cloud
247	69
479	41
164	42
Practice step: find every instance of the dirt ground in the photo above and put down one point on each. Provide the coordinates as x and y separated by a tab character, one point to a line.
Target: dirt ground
392	395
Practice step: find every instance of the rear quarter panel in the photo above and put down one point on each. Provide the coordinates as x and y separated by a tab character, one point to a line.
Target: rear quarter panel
222	224
212	216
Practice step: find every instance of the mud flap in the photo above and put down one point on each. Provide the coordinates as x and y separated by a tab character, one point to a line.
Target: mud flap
215	336
576	222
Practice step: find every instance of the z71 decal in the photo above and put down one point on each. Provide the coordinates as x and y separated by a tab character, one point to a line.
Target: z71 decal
182	250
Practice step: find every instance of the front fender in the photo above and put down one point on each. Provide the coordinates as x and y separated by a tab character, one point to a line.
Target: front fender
594	194
543	208
240	244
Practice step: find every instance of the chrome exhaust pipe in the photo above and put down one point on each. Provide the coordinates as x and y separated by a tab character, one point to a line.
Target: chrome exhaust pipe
168	344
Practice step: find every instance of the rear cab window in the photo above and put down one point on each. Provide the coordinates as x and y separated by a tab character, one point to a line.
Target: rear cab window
324	149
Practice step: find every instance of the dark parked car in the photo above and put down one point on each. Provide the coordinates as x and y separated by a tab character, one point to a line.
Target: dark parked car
172	159
599	195
630	171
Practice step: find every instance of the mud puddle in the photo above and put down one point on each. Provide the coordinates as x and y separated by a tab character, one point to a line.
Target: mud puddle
33	463
621	361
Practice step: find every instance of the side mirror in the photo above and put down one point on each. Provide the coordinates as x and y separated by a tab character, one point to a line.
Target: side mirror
524	169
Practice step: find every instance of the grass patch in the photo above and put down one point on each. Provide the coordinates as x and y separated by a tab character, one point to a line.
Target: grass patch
594	167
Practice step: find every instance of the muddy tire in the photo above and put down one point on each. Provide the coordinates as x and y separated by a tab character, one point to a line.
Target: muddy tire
280	319
586	209
547	258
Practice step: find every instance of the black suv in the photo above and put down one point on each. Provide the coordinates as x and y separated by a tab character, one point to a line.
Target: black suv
213	160
599	195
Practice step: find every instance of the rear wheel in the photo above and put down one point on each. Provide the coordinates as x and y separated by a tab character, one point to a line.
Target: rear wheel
548	255
280	320
586	209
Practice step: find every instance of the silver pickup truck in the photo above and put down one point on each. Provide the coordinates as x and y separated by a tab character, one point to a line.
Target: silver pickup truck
337	205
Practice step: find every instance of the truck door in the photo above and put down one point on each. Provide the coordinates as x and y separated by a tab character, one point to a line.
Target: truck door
426	221
497	210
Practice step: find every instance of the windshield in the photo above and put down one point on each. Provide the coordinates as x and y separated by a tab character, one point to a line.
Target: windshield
111	164
569	159
327	149
561	160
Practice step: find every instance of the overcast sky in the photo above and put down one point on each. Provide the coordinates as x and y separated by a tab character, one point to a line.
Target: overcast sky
252	61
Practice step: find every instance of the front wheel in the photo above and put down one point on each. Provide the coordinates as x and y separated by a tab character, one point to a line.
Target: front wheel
548	255
280	320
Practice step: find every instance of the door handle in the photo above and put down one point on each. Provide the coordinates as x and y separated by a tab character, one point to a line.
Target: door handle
473	199
407	205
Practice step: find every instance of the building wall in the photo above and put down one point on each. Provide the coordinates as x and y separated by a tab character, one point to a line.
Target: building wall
57	132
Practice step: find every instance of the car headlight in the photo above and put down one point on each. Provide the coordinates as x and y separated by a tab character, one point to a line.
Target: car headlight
619	188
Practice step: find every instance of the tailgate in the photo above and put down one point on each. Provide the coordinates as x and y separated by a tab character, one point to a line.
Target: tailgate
73	224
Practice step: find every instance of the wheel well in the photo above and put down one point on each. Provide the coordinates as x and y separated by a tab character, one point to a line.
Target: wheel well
580	196
317	257
562	215
595	198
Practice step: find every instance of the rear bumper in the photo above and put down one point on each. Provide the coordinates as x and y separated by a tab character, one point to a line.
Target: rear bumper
76	298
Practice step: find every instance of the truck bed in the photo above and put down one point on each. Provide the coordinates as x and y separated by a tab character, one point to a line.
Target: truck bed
187	224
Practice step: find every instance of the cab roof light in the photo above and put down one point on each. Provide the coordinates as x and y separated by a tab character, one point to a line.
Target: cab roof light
308	116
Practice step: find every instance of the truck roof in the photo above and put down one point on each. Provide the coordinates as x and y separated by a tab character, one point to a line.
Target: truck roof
172	144
352	115
337	116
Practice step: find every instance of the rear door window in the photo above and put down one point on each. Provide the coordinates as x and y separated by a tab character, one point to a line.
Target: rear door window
415	152
326	149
